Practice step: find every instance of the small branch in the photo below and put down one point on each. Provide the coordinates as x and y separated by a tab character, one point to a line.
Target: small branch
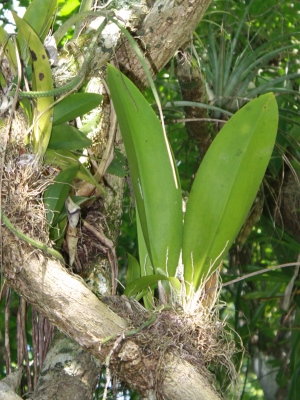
262	271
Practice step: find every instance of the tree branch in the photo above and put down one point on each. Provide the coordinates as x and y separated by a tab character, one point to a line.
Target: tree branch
75	310
168	27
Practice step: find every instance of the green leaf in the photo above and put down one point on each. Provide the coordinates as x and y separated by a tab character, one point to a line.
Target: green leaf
133	269
39	15
10	51
85	175
226	185
41	81
56	194
68	7
153	173
118	165
146	268
75	105
57	232
66	137
149	281
64	159
145	262
61	158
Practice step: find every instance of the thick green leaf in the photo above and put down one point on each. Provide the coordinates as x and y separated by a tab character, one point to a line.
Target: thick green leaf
65	159
153	173
149	281
56	194
226	185
146	268
145	262
133	269
118	165
10	51
41	81
66	137
57	232
39	15
74	106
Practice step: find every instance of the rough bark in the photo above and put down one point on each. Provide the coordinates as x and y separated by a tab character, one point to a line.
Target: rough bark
68	372
167	28
192	85
9	385
77	312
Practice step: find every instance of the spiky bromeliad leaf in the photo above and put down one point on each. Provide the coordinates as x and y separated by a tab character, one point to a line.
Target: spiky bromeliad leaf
226	185
153	173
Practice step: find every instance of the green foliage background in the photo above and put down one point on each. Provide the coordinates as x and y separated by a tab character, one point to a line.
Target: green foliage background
254	306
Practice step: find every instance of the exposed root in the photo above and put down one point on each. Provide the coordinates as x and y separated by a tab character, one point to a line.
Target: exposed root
23	184
198	336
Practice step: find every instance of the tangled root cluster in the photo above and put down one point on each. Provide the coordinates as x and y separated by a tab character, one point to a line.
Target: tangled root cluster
23	183
199	337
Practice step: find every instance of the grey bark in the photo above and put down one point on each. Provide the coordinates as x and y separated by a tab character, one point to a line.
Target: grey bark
77	312
69	372
167	28
9	385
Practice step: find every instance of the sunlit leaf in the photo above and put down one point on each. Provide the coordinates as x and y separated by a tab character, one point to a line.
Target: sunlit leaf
56	194
39	15
133	269
75	105
68	6
226	185
149	281
41	81
66	137
153	173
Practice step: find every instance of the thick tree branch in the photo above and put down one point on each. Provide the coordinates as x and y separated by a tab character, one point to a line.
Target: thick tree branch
168	27
75	310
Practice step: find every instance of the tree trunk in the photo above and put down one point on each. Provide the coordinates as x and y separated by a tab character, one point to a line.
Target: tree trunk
68	371
65	299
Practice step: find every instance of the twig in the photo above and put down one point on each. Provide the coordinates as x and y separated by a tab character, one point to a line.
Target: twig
262	271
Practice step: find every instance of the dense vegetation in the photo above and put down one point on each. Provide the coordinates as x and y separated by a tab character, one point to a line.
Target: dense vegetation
239	51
